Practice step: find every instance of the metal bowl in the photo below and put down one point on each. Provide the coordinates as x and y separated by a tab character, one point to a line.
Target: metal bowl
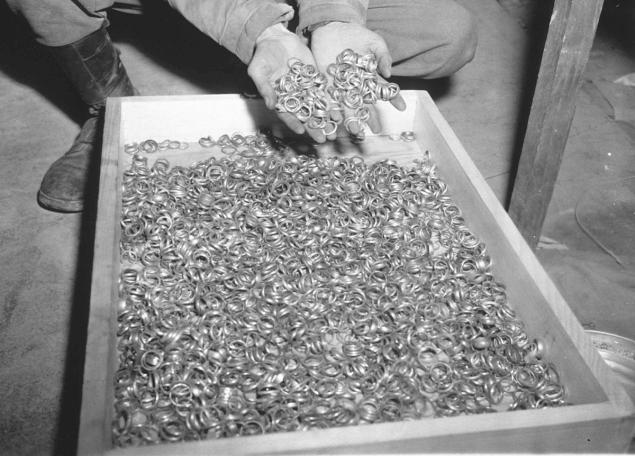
619	353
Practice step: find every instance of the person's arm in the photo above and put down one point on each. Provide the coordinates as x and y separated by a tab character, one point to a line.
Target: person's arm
336	25
234	24
314	13
275	47
255	31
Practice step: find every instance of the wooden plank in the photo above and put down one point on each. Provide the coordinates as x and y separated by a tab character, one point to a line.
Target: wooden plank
602	420
569	40
524	431
94	432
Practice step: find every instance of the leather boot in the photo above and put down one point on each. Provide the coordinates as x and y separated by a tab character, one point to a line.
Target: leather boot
93	66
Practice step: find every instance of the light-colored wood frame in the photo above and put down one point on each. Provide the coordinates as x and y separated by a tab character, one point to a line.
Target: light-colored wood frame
602	418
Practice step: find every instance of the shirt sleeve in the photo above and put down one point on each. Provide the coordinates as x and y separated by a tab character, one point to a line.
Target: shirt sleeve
312	12
234	24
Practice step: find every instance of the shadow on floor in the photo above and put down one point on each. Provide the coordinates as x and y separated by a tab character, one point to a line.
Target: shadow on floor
24	61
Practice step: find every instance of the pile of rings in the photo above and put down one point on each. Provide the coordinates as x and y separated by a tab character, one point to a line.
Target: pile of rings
265	293
355	85
302	92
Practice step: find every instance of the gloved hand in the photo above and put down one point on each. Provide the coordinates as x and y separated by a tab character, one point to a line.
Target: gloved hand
329	40
275	47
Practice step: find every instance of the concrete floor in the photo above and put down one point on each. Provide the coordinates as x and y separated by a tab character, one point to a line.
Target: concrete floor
46	257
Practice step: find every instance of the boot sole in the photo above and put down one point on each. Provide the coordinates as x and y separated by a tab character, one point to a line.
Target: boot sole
59	205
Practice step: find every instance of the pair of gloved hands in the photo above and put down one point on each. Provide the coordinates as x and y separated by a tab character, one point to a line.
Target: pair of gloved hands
277	45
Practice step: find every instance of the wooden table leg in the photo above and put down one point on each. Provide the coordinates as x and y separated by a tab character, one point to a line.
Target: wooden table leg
569	40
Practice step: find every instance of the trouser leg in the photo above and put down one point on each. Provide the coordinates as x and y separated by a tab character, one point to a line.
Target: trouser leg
93	66
426	38
74	31
75	34
61	22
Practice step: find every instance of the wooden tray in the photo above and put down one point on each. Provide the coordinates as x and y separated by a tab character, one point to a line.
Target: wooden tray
602	418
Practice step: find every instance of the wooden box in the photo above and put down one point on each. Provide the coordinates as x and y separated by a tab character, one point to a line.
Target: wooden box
601	418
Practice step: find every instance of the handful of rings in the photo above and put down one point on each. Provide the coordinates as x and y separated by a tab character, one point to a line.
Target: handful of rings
306	93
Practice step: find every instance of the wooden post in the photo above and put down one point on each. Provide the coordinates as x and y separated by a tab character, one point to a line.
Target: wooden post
569	40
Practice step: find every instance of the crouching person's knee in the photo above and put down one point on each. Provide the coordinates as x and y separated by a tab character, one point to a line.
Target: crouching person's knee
459	40
441	47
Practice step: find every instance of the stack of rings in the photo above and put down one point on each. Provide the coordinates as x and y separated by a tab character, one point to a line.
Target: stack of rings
301	92
357	84
262	292
304	92
150	146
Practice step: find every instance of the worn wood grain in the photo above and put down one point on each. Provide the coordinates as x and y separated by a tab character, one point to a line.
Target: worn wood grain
94	432
600	420
569	40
